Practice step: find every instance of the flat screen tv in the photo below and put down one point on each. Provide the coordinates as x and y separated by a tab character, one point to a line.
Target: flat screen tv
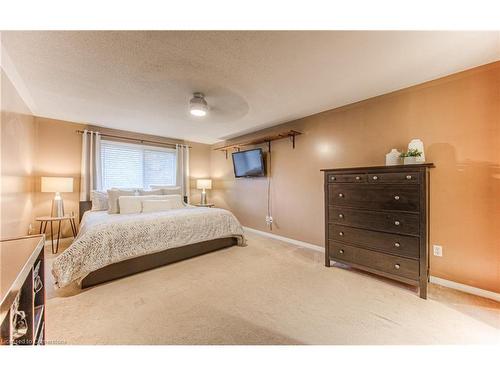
249	163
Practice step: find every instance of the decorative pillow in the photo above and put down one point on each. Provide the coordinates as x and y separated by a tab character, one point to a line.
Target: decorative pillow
113	195
129	204
133	205
99	200
168	190
156	205
151	192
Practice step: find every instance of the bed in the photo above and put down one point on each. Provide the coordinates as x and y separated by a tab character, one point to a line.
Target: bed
112	246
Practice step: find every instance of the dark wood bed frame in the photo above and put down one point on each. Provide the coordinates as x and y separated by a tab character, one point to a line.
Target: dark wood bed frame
149	261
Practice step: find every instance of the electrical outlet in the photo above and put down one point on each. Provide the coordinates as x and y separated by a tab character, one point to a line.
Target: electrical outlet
438	250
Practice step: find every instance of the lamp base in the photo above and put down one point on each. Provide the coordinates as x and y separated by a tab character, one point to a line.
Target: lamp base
203	199
57	208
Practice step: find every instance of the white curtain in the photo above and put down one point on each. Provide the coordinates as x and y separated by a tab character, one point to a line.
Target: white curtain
182	177
91	175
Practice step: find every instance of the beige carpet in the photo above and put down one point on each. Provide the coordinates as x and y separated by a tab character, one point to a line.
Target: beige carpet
269	292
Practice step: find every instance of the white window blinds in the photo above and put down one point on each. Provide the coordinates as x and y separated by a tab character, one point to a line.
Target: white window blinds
126	165
159	167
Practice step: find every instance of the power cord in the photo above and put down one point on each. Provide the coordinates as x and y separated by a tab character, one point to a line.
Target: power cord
269	218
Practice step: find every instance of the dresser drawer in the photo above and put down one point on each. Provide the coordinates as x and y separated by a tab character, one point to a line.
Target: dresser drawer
394	265
381	197
386	242
402	223
394	178
345	177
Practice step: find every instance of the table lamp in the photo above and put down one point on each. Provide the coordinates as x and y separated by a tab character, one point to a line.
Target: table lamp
204	184
57	185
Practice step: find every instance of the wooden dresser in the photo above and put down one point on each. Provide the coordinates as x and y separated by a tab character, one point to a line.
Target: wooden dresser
22	291
376	219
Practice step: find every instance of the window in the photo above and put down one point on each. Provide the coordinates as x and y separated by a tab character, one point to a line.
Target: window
127	165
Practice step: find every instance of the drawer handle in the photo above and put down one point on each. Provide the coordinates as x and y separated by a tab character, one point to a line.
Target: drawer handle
397	222
358	178
341	216
408	177
333	178
375	177
341	234
341	251
397	266
397	244
396	197
341	195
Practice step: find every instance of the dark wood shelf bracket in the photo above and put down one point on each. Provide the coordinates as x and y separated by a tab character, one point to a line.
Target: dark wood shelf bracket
291	134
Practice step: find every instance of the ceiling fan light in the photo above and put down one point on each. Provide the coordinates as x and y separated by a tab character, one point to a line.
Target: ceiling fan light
198	106
198	112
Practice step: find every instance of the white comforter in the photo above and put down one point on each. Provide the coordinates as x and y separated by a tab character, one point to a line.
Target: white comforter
110	238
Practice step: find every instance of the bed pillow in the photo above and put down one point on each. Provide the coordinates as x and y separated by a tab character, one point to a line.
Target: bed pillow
168	190
176	200
130	204
168	202
133	205
151	192
156	205
114	195
99	200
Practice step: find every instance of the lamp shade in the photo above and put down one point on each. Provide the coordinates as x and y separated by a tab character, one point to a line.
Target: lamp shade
204	184
57	185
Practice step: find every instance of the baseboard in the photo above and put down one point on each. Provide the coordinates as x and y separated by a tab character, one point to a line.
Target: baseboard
465	288
435	280
286	239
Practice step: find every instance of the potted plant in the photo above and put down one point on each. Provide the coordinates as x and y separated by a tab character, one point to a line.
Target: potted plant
411	156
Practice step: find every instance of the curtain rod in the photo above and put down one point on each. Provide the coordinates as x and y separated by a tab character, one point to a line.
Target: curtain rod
132	139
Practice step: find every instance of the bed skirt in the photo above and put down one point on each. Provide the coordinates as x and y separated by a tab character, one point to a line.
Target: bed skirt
149	261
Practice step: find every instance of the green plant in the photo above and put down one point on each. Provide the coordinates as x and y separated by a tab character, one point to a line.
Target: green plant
412	152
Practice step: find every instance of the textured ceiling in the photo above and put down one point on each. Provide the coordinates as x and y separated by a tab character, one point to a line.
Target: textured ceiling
142	81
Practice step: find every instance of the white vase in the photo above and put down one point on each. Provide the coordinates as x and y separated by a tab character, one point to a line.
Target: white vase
417	144
392	158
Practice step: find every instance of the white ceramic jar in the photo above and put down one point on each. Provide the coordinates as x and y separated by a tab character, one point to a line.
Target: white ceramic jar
392	158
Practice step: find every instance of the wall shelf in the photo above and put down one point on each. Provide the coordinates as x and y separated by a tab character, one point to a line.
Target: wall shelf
291	134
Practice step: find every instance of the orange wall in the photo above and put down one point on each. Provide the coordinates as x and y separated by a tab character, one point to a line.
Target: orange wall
58	153
199	167
458	119
17	144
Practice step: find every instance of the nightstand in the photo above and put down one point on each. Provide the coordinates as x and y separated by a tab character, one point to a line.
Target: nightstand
205	205
44	220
